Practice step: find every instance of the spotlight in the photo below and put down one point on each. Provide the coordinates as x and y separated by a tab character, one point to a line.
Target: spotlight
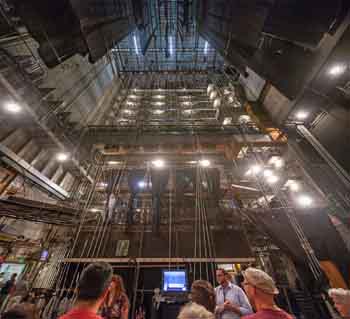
133	96
256	169
276	161
127	111
101	184
159	103
294	186
158	112
142	184
94	210
62	157
159	97
158	163
337	69
113	162
305	200
301	115
186	103
272	179
267	173
12	107
204	163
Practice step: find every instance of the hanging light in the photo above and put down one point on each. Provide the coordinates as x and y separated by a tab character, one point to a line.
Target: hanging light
217	103
141	184
62	157
158	163
204	163
272	179
301	115
305	200
12	107
256	169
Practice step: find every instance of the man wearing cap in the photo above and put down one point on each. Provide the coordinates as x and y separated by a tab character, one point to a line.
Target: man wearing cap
231	301
93	286
341	299
261	290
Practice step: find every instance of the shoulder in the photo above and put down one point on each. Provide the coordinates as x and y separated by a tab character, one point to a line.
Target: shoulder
237	289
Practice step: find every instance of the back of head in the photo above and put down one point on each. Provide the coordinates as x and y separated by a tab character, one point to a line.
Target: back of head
340	295
94	281
203	293
194	311
260	280
22	311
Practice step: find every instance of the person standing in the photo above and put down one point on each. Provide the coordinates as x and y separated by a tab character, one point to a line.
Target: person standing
6	290
92	290
203	293
231	301
117	302
261	290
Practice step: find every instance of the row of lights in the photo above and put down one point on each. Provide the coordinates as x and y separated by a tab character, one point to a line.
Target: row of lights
159	163
303	200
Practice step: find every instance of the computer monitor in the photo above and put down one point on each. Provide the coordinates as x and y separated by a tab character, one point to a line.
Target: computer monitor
174	281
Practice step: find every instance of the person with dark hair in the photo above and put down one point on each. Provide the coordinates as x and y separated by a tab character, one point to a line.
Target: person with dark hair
117	302
22	311
203	293
93	287
7	289
261	290
231	301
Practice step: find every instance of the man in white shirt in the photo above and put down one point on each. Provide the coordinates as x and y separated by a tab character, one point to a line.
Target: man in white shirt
231	301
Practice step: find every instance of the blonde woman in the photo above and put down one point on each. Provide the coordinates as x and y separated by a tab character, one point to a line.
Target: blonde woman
117	302
194	311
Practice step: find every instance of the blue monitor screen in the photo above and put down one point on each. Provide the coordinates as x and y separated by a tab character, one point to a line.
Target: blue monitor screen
174	281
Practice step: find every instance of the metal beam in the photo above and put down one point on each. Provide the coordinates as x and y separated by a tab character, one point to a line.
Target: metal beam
25	169
159	260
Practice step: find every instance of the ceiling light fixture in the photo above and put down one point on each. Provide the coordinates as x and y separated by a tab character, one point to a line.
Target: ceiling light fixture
159	103
301	115
101	184
62	157
305	200
186	103
159	97
294	186
204	163
272	179
267	173
94	210
133	96
256	169
113	163
158	112
337	69
12	107
142	184
158	163
127	111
